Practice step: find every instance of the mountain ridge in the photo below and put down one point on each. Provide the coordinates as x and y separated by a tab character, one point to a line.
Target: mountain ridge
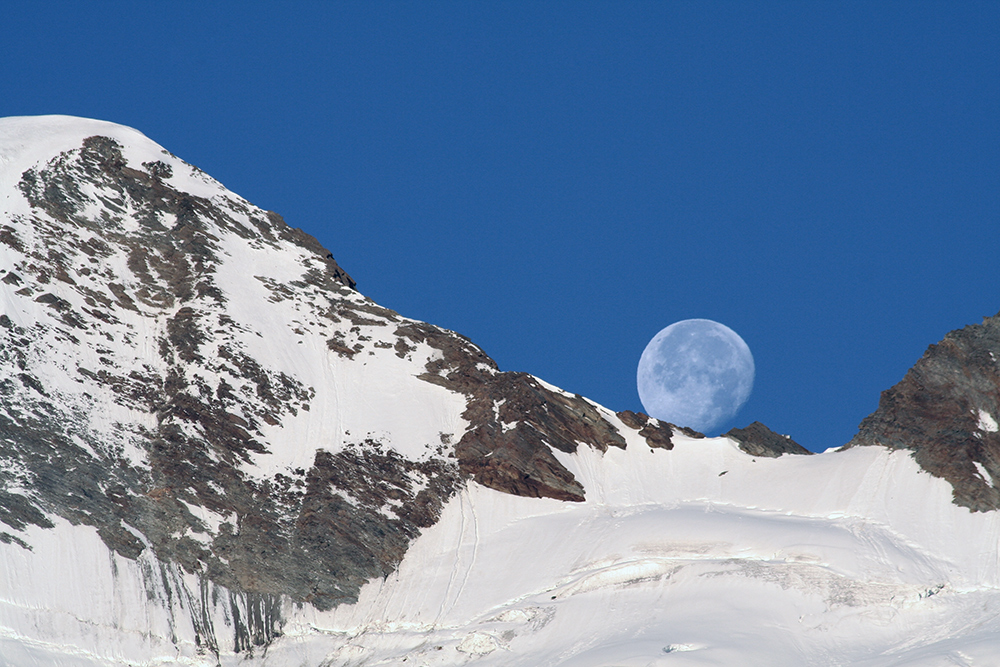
86	206
260	448
944	410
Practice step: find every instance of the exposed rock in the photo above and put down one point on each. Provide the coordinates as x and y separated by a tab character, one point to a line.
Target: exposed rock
945	410
688	431
515	421
656	433
758	440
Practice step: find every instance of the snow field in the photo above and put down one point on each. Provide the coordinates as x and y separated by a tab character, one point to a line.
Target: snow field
666	553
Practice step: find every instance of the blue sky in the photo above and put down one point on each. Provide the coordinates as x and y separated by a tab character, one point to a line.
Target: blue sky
558	181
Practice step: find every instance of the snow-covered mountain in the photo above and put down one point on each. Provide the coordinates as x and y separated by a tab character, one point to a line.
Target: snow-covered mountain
214	450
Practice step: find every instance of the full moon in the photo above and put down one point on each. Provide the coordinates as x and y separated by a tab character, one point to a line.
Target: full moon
695	373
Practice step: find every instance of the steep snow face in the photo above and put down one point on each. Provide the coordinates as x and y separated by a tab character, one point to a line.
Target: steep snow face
241	267
188	374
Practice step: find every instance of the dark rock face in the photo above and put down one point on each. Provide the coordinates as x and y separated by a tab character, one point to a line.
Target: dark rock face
515	421
758	440
657	434
945	410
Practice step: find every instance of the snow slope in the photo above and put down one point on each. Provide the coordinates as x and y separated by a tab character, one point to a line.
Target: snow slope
385	397
843	558
846	558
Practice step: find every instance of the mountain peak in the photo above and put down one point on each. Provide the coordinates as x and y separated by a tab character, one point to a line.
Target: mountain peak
945	411
174	351
29	141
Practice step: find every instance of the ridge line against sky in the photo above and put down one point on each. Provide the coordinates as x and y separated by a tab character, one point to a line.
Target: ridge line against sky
560	181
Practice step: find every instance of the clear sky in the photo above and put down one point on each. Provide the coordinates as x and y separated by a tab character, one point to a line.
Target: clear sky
560	180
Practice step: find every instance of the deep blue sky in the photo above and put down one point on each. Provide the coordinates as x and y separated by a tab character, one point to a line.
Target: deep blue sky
558	181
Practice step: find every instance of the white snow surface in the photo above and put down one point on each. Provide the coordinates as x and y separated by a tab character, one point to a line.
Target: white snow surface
842	558
700	555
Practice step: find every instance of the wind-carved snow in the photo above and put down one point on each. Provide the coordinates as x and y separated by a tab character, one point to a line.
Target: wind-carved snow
780	562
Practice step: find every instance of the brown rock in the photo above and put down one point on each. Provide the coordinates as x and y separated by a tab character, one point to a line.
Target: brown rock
935	412
758	440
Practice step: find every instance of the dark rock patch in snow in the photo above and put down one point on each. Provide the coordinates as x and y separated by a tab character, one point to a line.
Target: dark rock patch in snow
758	440
656	433
516	422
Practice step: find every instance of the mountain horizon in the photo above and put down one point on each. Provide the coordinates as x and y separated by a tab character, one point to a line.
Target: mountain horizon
215	449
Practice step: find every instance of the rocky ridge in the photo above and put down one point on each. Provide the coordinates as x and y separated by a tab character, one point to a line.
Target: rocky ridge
758	440
945	411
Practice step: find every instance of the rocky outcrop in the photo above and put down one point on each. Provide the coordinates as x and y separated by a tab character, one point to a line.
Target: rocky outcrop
656	433
515	421
946	411
758	440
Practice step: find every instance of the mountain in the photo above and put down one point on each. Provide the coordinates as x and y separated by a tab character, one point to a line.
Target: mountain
215	450
945	411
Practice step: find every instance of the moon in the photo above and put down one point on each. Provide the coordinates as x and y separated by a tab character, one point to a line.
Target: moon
695	373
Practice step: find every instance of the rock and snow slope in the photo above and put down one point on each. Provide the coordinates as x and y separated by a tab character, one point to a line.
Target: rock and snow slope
214	450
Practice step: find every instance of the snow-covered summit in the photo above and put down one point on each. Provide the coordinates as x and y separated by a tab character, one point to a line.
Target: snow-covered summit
27	141
214	449
198	381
